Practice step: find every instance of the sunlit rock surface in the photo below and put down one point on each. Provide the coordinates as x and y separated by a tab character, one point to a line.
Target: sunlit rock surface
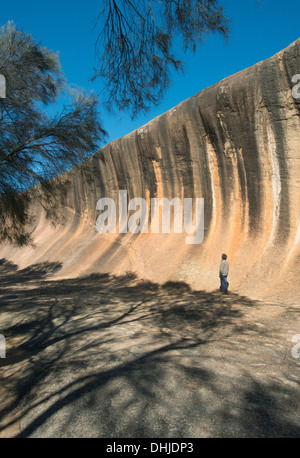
237	145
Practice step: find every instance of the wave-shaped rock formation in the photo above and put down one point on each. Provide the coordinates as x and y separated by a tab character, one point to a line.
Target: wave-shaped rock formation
236	145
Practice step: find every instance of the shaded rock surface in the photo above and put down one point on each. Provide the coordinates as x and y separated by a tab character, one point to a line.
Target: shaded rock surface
126	335
110	357
235	144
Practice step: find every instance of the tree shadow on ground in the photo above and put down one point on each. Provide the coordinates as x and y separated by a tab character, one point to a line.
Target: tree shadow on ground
107	356
10	275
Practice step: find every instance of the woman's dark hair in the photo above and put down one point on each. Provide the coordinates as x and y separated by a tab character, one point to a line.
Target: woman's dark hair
224	256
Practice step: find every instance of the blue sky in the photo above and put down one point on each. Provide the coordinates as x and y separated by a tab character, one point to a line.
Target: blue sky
258	31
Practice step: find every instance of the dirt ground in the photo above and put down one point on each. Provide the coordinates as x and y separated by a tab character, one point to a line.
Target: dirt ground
104	356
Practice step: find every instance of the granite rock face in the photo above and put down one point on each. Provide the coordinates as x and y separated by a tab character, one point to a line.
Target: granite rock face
235	144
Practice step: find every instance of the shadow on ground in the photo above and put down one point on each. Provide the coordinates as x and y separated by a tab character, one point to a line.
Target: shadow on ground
106	356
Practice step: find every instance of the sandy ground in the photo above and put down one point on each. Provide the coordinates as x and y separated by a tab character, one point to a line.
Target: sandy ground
104	356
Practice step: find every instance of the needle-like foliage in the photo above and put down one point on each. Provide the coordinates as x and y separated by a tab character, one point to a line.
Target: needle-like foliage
36	146
135	46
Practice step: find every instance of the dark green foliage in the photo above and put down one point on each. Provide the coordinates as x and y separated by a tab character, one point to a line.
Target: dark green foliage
35	146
